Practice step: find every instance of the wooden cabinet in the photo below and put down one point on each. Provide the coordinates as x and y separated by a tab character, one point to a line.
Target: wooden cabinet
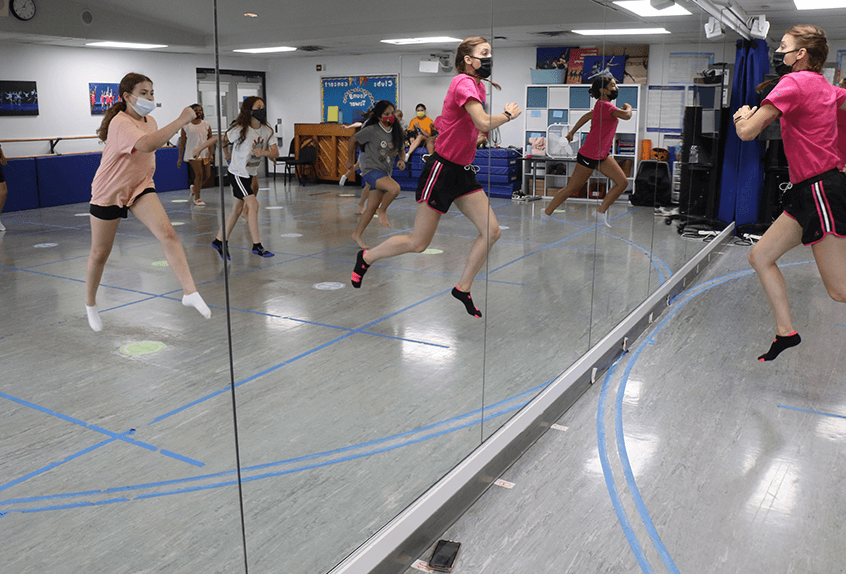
330	141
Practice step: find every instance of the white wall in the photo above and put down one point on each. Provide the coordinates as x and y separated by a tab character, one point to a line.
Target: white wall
63	74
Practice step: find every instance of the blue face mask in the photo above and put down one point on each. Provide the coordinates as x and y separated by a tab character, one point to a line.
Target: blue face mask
142	106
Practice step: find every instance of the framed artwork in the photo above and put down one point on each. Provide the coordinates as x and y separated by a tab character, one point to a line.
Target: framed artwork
18	98
101	96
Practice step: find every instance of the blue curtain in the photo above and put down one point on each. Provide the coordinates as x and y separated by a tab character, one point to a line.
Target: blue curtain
743	168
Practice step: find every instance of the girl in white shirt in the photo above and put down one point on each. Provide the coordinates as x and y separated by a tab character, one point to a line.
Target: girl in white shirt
193	135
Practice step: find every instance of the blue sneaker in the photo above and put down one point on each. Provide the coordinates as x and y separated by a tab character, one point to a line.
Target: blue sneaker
262	252
219	248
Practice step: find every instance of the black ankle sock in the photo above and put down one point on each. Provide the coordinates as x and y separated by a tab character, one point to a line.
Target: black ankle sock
258	245
360	270
779	344
468	302
218	244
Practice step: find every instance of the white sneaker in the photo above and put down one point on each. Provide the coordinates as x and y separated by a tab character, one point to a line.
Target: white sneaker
343	180
1	226
602	218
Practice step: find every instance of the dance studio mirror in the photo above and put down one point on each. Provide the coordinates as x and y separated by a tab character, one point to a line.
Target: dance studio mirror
117	449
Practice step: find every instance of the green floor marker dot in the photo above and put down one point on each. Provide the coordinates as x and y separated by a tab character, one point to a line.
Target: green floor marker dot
142	348
432	251
346	195
179	201
160	264
559	211
175	223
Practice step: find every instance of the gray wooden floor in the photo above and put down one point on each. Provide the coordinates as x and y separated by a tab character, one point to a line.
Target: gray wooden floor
350	403
689	455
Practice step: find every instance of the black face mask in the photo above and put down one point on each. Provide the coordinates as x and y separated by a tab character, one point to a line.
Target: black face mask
486	68
260	115
612	95
778	62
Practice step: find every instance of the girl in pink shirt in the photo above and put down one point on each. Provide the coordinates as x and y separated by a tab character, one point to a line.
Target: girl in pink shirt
815	205
449	176
595	151
124	182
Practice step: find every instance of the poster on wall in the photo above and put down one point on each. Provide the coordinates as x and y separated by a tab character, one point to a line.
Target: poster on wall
577	62
602	65
345	99
18	98
553	58
102	96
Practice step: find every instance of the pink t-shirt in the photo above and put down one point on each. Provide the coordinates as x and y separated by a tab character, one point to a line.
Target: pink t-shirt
456	131
841	136
603	126
124	172
808	104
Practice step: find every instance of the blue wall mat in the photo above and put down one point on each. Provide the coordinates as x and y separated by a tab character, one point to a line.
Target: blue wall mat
64	179
167	176
536	98
22	184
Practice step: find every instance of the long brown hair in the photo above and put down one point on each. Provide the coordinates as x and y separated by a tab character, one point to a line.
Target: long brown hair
127	84
245	117
813	40
466	49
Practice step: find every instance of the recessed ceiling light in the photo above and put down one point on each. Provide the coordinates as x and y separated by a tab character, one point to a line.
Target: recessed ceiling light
250	15
266	50
128	45
645	9
621	31
432	40
819	4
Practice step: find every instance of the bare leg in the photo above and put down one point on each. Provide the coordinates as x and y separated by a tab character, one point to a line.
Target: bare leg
149	211
430	145
392	191
365	191
237	209
251	207
425	224
255	187
366	217
199	178
415	144
782	236
580	176
102	238
612	170
477	209
830	254
3	193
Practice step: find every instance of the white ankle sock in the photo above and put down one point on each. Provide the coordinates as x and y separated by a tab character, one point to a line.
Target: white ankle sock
1	226
602	218
196	301
94	317
343	180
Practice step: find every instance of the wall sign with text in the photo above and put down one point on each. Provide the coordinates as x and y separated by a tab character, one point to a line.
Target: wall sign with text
344	99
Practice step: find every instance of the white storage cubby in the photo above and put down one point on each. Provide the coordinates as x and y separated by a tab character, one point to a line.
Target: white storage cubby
549	104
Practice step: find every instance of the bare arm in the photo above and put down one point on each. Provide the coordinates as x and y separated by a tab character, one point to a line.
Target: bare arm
582	121
749	122
209	143
152	142
2	157
350	153
485	122
624	113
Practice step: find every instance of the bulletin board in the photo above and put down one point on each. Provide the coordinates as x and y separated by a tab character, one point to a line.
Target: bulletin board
665	108
344	99
684	66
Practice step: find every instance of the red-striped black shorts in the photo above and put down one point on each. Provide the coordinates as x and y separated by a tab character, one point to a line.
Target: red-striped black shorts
818	204
442	182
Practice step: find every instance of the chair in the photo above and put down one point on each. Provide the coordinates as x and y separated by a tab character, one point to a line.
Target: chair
286	160
308	157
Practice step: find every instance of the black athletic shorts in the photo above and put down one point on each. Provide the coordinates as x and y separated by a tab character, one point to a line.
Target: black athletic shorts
442	182
241	186
2	177
111	212
587	162
818	204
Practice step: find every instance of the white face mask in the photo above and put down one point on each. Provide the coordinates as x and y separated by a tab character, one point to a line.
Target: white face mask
142	106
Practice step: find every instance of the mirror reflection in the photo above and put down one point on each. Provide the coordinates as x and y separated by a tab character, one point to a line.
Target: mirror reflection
353	394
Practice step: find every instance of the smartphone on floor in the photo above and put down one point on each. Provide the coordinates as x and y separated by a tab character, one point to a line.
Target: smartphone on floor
443	558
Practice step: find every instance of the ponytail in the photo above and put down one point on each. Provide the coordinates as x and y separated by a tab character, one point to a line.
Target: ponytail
103	130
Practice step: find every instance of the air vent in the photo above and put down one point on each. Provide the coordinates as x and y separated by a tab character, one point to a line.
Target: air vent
87	17
550	34
311	48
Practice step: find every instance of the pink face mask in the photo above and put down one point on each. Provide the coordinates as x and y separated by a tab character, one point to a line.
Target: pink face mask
389	120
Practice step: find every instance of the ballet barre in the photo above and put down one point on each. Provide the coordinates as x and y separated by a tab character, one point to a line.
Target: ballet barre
54	141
